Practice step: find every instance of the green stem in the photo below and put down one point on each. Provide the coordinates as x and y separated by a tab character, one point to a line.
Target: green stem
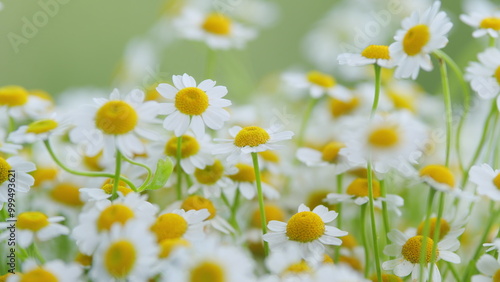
385	212
260	196
425	231
305	121
84	173
365	240
437	233
377	89
210	66
489	157
118	169
12	124
234	210
447	102
373	223
492	42
141	165
453	271
35	252
179	168
339	217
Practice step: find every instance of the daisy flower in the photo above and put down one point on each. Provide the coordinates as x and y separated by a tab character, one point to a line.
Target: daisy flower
129	252
484	76
14	175
217	30
407	251
489	268
195	152
39	130
116	123
493	246
485	23
327	156
438	177
251	139
244	180
20	104
35	225
487	181
180	224
6	147
317	83
193	106
195	202
288	265
212	179
422	34
373	54
307	230
105	192
55	270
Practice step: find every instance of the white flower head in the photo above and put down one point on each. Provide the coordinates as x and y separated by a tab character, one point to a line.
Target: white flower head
486	23
487	181
55	270
212	179
484	76
39	130
373	54
327	156
180	224
243	180
439	177
14	175
489	268
317	83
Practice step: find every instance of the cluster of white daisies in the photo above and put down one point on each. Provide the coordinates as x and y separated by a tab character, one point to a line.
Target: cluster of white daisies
379	182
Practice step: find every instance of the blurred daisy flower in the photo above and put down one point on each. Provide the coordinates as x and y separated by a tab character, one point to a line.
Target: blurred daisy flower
489	267
486	23
180	224
195	202
317	83
195	152
306	230
487	181
244	181
212	179
105	192
326	156
373	54
438	177
422	34
6	147
193	106
14	175
39	130
484	76
22	104
55	270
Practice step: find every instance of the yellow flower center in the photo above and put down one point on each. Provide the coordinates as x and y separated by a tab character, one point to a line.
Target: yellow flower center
13	96
191	101
352	262
37	275
116	117
245	173
415	39
41	126
321	79
327	259
339	108
496	181
210	174
349	241
120	258
108	188
83	260
305	227
317	198
67	193
273	212
402	101
493	23
4	170
33	221
168	245
41	174
497	75
217	24
152	94
386	278
270	156
207	271
116	213
384	137
496	276
169	226
439	173
376	52
92	163
297	268
189	146
196	202
252	136
412	249
359	188
444	228
331	151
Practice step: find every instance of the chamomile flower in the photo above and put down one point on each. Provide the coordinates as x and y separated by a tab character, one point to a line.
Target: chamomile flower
105	192
485	23
493	246
489	268
373	54
116	123
180	224
327	156
14	175
35	225
484	76
307	230
195	202
251	139
217	30
129	252
244	181
487	181
39	130
193	106
422	34
438	177
20	104
212	179
407	251
55	270
6	147
288	265
195	151
317	84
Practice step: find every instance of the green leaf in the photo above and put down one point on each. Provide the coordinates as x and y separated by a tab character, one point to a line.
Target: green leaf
164	168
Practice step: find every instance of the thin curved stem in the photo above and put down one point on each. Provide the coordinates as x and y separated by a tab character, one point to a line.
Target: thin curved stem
141	165
425	231
364	239
373	223
378	82
179	168
260	196
118	169
447	102
437	233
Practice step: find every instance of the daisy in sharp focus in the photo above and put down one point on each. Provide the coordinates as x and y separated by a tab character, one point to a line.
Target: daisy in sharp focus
14	175
55	270
373	54
317	83
307	230
193	106
484	76
487	181
485	23
422	34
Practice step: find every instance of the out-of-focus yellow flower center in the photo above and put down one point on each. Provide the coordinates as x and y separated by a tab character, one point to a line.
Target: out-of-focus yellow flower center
327	259
496	181
352	262
386	278
300	267
83	259
245	173
444	228
189	146
402	101
305	226
331	151
376	52
317	197
116	117
217	24
207	271
13	96
412	249
169	226
496	276
321	79
191	101
4	170
210	174
497	75
116	213
270	156
196	202
152	94
359	188
252	136
41	126
119	258
67	193
38	275
108	188
493	23
415	39
439	173
384	137
273	212
349	241
339	108
33	221
41	174
92	163
168	245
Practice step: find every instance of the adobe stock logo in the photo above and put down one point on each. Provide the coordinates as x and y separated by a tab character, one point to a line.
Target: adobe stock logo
32	25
